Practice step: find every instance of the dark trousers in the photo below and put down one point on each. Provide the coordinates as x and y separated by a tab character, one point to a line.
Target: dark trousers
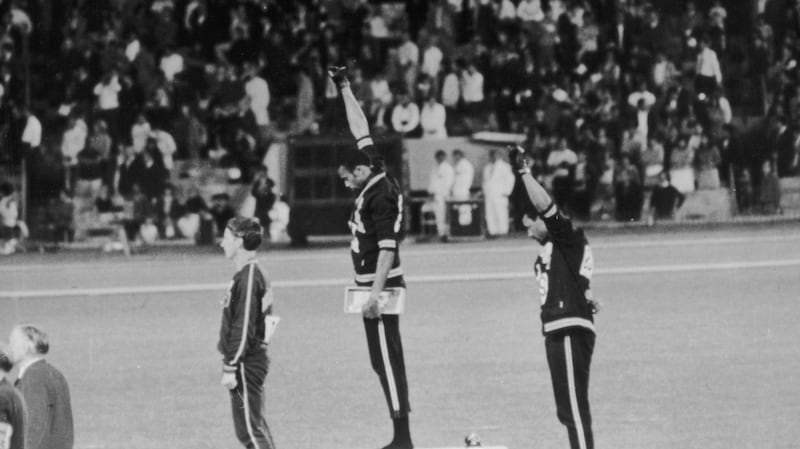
247	404
569	355
386	355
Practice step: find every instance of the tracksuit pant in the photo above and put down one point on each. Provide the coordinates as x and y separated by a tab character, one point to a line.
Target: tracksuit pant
569	355
247	403
386	355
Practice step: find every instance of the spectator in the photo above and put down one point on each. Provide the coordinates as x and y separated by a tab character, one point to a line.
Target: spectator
263	192
769	197
707	69
627	191
168	211
665	199
440	184
408	59
279	220
195	210
561	164
166	146
12	407
221	211
140	132
258	97
530	11
91	169
653	162
433	118
32	132
154	175
472	91
10	230
73	140
107	92
191	135
405	115
130	169
464	175
498	183
432	58
681	172
58	216
45	390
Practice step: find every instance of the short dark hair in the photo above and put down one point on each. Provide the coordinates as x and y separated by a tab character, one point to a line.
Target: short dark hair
352	158
5	361
249	230
37	337
6	189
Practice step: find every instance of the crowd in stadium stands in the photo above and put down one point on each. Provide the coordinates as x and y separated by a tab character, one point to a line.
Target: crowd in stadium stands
616	97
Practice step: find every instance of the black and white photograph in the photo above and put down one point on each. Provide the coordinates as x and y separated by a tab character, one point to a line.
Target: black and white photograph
399	224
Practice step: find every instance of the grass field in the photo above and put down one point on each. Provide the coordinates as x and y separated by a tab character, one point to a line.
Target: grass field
698	345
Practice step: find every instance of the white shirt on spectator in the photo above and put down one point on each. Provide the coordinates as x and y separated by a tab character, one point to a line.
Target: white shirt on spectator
708	64
258	92
465	174
171	65
378	28
139	134
451	90
408	53
73	141
530	10
432	118
166	146
472	87
441	180
108	94
507	11
405	118
727	113
132	50
558	158
9	213
32	134
432	61
647	96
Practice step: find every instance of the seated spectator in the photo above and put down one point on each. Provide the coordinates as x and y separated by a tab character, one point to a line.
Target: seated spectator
140	133
405	115
168	211
191	135
221	211
91	169
707	160
130	168
681	172
432	118
194	211
154	175
279	220
11	228
472	92
166	146
104	203
58	216
653	162
142	212
73	142
665	199
769	194
263	192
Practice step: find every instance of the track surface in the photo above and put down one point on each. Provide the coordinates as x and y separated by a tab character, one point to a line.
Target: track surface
697	345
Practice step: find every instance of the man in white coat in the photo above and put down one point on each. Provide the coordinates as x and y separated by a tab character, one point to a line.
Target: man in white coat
498	182
439	186
465	174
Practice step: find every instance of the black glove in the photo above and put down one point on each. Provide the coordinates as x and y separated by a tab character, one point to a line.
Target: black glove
516	156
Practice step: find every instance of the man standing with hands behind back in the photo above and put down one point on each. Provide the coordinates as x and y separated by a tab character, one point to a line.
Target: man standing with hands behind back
375	223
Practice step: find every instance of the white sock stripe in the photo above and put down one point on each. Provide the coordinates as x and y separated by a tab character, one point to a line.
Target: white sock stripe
387	367
573	394
364	142
247	408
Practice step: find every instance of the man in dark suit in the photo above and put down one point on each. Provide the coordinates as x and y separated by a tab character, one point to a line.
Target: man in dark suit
12	408
46	393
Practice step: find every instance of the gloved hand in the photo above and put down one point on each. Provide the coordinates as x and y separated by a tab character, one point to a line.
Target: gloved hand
516	156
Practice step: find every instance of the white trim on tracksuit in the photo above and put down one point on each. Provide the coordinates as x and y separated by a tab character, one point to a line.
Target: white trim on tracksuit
573	394
247	408
246	321
387	366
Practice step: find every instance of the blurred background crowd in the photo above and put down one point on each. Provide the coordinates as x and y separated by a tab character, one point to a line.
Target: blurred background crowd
616	98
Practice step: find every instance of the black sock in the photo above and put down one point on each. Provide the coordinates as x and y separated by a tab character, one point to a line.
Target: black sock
402	434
